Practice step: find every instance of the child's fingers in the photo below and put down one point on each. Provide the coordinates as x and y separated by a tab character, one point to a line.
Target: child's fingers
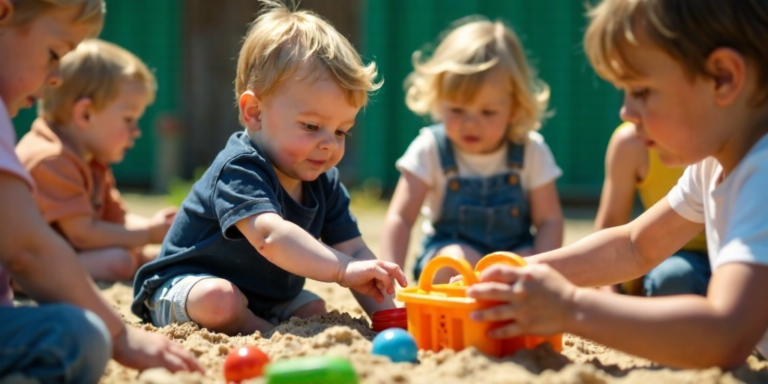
456	278
498	313
383	279
502	274
509	330
394	271
493	292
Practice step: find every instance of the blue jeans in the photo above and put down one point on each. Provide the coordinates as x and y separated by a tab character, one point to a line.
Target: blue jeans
56	343
685	272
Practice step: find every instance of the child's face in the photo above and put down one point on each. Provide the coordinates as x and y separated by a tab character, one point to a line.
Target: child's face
30	54
109	133
480	126
303	126
672	112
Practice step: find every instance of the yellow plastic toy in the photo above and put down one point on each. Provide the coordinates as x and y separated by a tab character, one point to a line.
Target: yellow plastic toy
438	315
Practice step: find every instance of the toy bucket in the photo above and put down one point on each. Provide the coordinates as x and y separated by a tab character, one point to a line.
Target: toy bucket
438	315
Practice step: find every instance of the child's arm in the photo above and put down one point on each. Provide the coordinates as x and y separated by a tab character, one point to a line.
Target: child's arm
401	214
622	253
359	251
684	331
47	269
86	232
623	159
547	216
293	249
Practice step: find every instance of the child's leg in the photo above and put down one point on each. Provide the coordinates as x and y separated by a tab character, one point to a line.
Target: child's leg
683	273
109	264
462	251
219	305
305	305
55	343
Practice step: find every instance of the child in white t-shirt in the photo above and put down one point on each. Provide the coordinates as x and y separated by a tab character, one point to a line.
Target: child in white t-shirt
696	89
482	176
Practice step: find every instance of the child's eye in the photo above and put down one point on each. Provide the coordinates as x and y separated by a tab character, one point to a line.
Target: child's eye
54	56
489	113
129	120
343	134
457	111
310	127
641	94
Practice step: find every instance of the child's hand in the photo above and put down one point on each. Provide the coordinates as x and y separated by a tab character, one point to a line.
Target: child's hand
160	223
141	350
536	299
372	277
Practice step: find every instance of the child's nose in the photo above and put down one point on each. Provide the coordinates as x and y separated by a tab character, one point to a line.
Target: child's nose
628	113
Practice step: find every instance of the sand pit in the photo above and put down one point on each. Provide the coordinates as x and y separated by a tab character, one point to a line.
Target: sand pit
346	333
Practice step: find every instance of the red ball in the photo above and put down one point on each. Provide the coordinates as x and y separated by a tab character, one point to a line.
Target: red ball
244	363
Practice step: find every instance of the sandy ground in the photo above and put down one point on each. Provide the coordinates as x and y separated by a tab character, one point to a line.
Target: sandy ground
345	332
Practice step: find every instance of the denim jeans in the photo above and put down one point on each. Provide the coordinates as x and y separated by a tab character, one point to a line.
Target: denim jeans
685	272
54	343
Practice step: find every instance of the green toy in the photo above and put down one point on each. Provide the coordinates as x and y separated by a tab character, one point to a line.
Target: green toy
311	370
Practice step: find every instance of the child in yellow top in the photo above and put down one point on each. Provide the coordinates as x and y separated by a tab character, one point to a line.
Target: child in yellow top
631	165
695	79
482	176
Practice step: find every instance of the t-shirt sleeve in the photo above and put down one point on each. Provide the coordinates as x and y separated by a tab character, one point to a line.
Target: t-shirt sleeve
339	225
421	158
746	235
61	189
686	198
243	189
540	163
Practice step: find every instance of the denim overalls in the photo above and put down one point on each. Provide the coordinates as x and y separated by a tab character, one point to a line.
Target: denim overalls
487	213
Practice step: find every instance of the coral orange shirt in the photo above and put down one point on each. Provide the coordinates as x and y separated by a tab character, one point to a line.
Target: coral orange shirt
67	186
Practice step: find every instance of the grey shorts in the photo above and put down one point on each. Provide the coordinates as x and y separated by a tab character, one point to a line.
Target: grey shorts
169	302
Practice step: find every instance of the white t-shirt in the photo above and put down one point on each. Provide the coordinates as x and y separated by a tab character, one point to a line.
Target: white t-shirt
422	159
734	211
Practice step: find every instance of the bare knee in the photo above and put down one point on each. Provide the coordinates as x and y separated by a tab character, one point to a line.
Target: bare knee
120	265
310	309
216	304
459	251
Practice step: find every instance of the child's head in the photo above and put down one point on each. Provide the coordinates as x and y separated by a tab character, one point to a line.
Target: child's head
694	72
299	87
34	35
478	82
104	92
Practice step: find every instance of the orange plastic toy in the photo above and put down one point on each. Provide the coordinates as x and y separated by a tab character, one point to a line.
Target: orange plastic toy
438	315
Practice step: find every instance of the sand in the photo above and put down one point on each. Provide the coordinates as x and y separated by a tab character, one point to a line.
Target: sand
345	332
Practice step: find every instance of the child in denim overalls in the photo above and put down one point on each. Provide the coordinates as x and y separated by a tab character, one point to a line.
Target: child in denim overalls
482	176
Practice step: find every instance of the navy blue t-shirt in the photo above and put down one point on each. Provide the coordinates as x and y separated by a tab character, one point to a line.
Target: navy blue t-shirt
204	239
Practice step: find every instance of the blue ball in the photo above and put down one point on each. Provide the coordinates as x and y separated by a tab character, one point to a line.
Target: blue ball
397	344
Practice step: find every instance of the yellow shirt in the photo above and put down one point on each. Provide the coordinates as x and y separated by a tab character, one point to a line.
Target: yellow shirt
657	183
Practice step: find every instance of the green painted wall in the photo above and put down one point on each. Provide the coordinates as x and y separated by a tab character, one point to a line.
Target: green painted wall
151	29
585	107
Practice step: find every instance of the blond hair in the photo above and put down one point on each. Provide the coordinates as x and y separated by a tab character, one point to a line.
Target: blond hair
687	30
92	13
459	65
95	70
282	40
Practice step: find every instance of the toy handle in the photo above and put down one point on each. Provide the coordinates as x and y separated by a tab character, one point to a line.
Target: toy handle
434	265
508	258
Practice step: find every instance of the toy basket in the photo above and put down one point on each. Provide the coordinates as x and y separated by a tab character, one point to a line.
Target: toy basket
438	315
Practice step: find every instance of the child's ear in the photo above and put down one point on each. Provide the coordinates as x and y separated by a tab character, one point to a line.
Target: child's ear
728	69
81	112
250	111
6	12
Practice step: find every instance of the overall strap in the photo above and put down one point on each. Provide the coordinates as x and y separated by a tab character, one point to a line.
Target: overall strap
444	149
